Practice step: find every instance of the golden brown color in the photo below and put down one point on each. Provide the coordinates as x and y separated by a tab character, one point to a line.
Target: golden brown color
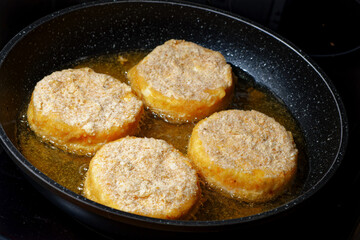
79	110
245	153
69	169
182	81
145	176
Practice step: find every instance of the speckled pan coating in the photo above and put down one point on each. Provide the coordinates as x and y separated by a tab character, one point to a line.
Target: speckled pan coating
105	27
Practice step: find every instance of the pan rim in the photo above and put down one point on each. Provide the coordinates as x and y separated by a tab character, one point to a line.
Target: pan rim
45	180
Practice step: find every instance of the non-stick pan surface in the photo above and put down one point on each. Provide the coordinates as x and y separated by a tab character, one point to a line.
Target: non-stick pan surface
108	27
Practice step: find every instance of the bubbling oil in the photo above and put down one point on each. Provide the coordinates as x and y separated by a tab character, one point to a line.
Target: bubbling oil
69	170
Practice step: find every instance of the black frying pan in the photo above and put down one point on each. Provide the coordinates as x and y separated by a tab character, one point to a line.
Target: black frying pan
107	27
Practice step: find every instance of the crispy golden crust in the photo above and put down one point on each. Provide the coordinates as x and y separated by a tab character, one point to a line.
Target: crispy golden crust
245	153
145	176
79	110
182	81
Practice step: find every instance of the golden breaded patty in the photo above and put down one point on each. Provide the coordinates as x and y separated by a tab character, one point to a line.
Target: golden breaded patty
79	110
245	153
145	176
182	81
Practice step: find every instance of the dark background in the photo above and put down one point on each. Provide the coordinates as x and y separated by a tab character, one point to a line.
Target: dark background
325	30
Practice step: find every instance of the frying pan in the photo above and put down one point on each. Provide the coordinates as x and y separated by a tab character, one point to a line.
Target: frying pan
114	26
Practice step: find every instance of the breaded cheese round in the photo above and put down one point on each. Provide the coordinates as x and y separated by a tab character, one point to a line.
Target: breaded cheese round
144	176
181	81
245	153
79	110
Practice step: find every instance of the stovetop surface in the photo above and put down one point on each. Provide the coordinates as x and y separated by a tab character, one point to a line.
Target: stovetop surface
332	213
